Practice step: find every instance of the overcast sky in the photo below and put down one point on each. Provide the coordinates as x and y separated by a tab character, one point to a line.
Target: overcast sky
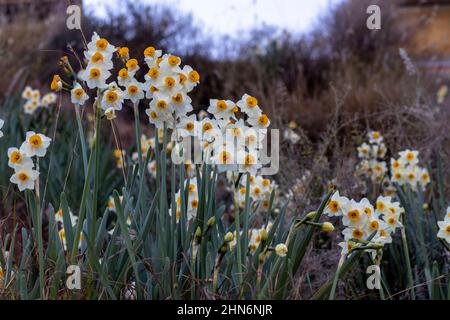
226	17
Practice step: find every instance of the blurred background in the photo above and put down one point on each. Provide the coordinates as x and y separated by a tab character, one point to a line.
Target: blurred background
320	74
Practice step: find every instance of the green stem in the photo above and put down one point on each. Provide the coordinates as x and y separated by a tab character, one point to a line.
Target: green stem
407	262
97	172
82	138
336	277
137	130
238	240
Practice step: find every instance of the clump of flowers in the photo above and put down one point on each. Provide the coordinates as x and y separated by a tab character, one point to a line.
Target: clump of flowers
25	174
367	227
260	190
33	100
406	171
73	220
372	165
444	227
256	237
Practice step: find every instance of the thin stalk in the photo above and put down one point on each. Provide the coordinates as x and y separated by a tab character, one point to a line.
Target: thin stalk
96	170
82	138
407	262
336	277
238	240
137	131
119	147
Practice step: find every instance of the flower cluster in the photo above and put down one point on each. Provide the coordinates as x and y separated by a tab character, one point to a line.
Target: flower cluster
256	236
33	99
191	200
372	154
260	190
20	160
406	171
59	218
362	220
444	227
226	140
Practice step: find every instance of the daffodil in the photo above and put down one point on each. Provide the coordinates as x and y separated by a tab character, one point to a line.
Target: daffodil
170	64
382	204
409	156
152	167
189	78
444	227
363	151
259	122
281	250
336	205
18	159
151	55
35	144
31	106
112	98
24	177
134	91
187	126
221	109
248	161
56	83
48	99
27	93
354	214
95	76
249	105
157	118
375	137
77	95
102	45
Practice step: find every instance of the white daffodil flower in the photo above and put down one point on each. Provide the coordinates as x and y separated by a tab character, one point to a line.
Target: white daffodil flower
18	159
77	95
35	144
24	177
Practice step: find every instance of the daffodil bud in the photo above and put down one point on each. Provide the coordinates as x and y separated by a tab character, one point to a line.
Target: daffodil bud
310	215
281	250
56	83
198	232
123	53
211	221
264	234
378	246
228	237
327	227
110	113
261	257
